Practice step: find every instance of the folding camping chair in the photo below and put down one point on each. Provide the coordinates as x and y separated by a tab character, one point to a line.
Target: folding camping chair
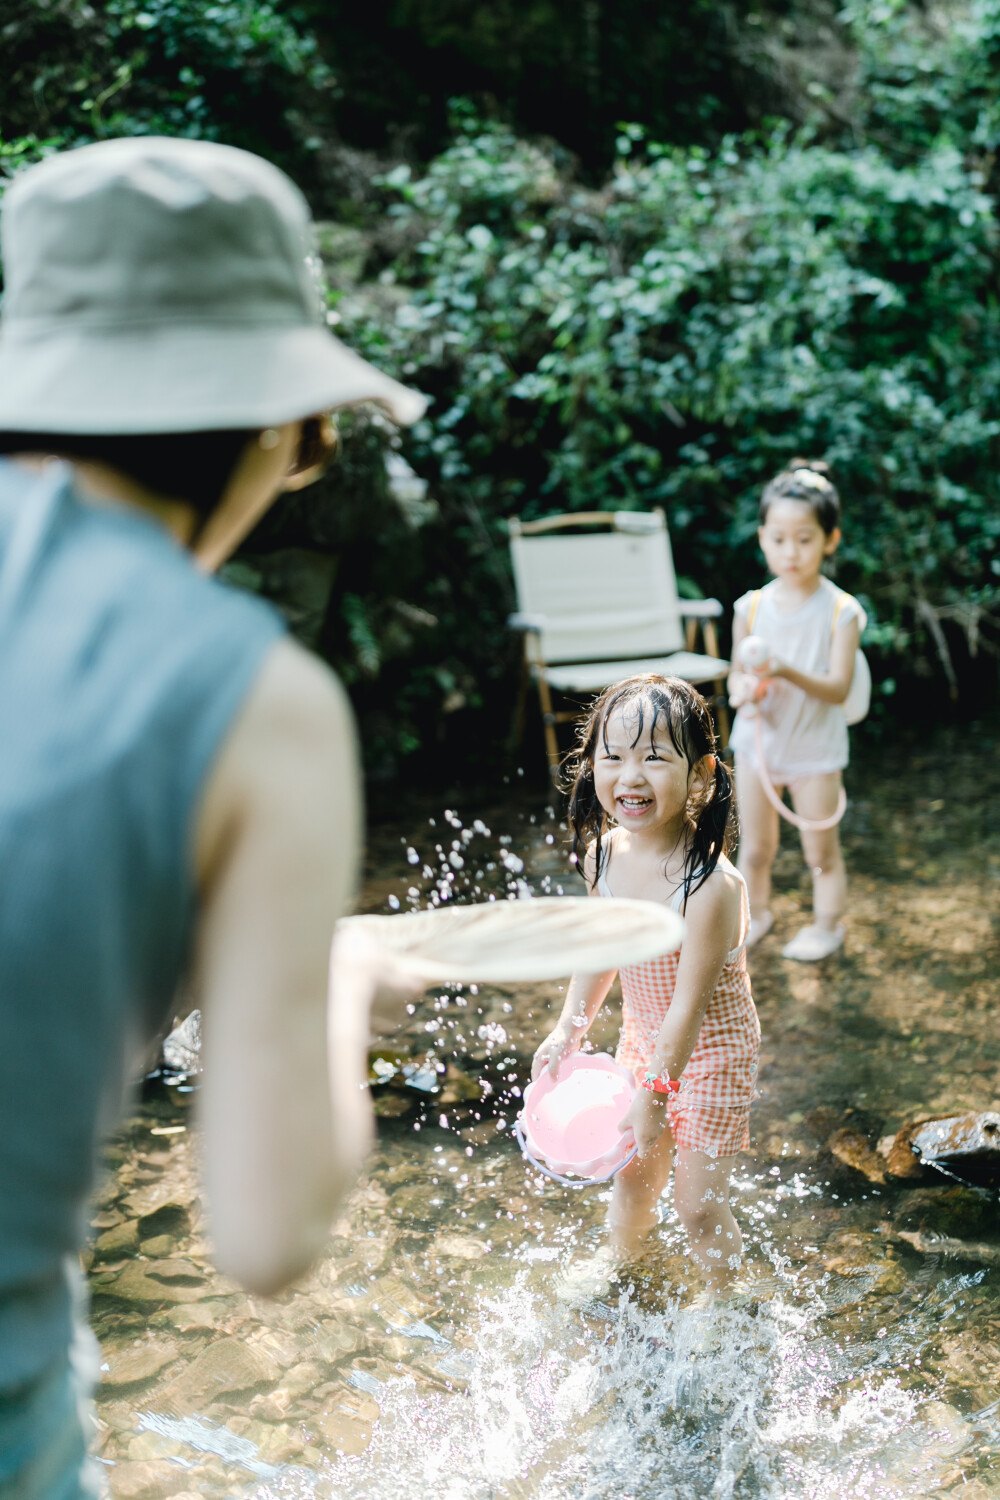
595	608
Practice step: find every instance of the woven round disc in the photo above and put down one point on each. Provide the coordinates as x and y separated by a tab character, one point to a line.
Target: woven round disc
546	937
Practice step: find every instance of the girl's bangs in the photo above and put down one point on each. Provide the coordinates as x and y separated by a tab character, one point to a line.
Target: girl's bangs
661	703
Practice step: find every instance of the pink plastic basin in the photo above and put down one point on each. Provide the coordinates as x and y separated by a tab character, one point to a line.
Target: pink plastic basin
570	1124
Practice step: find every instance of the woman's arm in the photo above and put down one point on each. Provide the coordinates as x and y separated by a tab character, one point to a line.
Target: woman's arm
584	998
832	686
286	1122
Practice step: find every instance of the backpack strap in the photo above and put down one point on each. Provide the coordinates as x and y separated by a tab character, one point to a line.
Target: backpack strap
752	611
843	599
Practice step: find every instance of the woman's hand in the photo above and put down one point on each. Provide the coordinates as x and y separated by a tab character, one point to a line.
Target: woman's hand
647	1119
369	992
561	1043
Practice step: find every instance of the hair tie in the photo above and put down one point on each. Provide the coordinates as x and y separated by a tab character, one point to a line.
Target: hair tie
810	479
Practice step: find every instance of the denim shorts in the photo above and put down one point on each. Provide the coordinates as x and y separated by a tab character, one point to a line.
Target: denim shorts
46	1428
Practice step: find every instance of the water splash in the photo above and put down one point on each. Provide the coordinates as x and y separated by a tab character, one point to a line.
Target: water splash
624	1403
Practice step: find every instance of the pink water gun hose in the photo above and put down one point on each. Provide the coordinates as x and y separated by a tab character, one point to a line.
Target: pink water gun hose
753	655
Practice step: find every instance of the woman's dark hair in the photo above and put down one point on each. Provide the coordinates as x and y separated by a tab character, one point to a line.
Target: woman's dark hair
807	480
683	712
191	466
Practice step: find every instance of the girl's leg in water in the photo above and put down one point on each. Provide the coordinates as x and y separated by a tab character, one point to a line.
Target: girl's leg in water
816	797
632	1214
701	1198
759	833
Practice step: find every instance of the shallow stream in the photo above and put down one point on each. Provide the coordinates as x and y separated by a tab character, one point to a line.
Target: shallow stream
437	1347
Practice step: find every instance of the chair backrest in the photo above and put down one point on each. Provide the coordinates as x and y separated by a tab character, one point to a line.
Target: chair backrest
602	597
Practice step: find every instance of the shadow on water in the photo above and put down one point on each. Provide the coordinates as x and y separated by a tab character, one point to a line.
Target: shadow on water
430	1348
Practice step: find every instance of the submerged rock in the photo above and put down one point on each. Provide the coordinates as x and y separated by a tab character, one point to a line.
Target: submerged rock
130	1366
133	1283
153	1480
123	1239
346	1424
424	1203
161	1199
853	1150
188	1317
901	1160
390	1105
942	1244
225	1368
958	1211
460	1247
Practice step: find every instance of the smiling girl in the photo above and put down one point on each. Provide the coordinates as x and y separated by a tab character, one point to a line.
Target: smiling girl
654	807
812	629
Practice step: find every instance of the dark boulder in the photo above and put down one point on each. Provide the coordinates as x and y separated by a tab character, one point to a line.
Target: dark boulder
963	1146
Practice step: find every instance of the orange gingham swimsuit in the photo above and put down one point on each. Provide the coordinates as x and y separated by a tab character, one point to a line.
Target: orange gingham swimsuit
712	1111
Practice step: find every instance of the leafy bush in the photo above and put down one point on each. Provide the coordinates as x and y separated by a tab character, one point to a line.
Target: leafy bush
670	338
236	70
676	338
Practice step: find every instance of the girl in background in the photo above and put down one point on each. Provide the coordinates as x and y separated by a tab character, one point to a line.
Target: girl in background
653	805
812	629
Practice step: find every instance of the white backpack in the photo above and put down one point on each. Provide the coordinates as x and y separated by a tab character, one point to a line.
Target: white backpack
859	694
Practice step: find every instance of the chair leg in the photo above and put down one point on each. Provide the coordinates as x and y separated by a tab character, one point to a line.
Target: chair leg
548	722
520	706
711	639
722	712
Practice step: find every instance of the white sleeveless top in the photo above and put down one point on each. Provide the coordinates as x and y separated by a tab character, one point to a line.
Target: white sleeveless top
801	735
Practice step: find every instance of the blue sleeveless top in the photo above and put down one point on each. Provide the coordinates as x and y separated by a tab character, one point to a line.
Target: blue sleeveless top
121	669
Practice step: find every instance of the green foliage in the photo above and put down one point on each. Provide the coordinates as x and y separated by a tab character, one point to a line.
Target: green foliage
243	71
676	338
927	78
670	338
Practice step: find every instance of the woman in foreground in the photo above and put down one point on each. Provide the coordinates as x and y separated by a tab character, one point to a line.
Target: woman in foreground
179	794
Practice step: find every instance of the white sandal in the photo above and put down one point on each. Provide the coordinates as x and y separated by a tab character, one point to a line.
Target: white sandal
814	943
759	928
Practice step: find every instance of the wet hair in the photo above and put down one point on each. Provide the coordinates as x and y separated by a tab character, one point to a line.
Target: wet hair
807	480
682	711
194	467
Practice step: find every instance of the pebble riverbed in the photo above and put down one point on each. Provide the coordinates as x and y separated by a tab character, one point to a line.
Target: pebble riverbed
431	1349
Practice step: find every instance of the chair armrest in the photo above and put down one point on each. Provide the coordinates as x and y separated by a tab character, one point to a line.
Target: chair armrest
525	622
699	609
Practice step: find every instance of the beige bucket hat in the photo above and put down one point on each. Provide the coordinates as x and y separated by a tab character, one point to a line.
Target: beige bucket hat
157	285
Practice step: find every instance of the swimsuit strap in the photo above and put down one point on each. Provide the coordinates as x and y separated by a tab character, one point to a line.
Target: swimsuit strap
676	904
744	918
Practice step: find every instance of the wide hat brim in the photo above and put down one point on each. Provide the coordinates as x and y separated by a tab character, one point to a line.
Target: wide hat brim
163	378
